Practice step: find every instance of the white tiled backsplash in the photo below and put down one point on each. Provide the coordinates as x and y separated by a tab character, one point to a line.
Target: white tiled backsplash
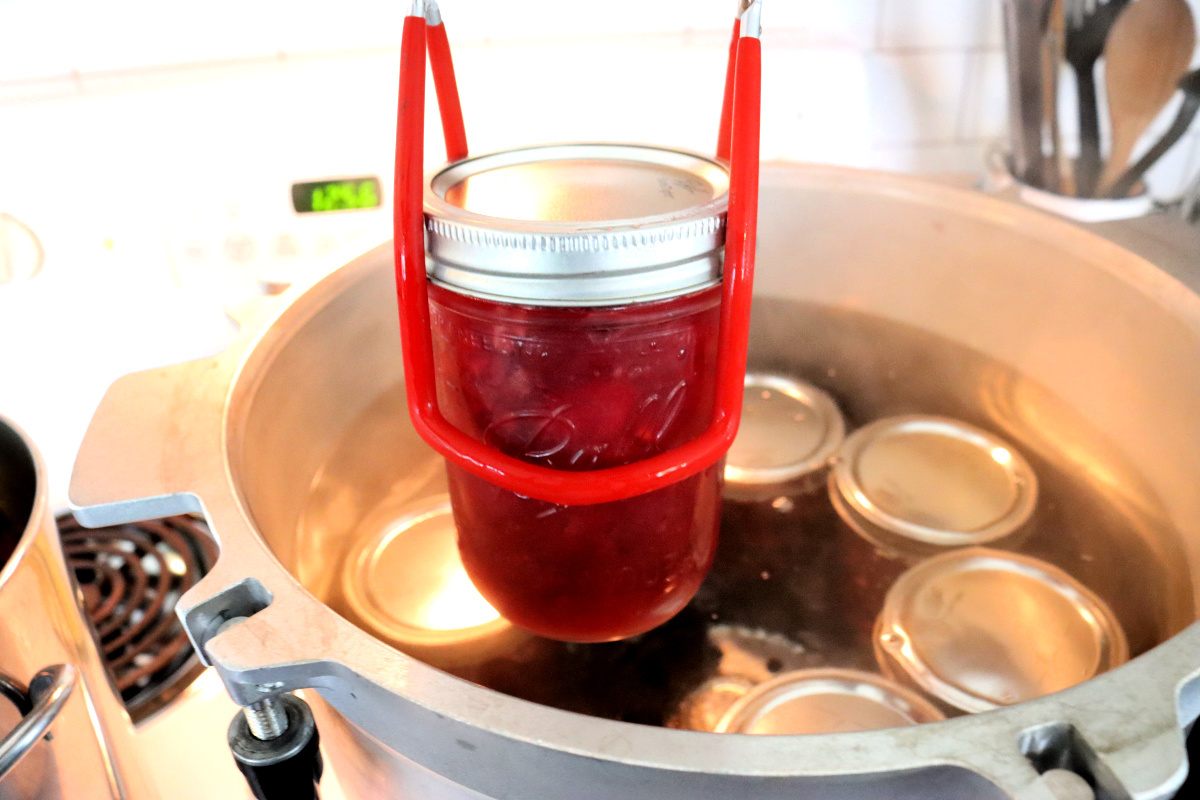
200	91
151	145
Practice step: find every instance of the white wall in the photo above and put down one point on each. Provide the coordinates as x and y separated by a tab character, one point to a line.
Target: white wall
151	145
895	84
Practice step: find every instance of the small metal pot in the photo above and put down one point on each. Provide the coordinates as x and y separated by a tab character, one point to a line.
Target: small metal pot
243	438
51	679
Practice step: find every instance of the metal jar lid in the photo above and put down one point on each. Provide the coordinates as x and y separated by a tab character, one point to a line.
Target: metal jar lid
921	484
789	432
577	224
407	584
704	707
979	629
826	701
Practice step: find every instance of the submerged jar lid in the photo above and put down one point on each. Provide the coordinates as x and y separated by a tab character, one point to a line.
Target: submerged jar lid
919	484
577	224
826	701
406	583
979	629
789	432
704	707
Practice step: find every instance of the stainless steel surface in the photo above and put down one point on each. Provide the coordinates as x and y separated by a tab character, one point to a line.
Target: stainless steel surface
1024	34
266	718
248	433
789	432
43	625
979	629
295	727
1052	51
1085	41
824	701
58	682
918	483
577	224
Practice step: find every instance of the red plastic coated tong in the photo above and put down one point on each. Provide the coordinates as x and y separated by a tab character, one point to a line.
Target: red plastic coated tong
737	142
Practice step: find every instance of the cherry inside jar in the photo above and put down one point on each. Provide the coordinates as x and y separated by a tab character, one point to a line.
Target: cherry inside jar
581	388
574	301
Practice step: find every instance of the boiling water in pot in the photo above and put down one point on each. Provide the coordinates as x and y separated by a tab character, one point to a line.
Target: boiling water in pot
777	598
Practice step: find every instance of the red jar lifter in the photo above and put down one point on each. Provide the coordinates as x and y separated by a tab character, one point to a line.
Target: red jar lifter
738	143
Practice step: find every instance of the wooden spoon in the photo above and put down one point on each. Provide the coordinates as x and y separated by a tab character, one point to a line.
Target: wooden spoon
1190	85
1148	50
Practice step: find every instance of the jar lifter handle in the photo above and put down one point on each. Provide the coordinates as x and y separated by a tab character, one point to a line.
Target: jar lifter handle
725	129
441	64
424	28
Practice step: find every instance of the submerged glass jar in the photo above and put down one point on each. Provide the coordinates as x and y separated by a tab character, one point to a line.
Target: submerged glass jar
575	312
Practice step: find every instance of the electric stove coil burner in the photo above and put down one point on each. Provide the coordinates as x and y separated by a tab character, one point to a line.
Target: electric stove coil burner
130	577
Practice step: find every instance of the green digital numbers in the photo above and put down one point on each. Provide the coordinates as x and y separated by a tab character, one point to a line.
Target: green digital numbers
343	194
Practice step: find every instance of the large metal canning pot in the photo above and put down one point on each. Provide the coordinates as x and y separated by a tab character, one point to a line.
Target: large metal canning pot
242	437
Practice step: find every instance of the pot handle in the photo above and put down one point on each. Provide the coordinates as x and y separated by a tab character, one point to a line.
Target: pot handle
144	442
48	691
1120	734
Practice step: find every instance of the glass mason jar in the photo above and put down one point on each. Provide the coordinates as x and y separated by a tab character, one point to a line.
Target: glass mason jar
574	311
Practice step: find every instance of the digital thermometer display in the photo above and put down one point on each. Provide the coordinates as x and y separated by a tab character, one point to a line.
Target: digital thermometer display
340	194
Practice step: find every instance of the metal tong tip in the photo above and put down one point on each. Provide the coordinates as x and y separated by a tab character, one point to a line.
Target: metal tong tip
750	17
427	9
